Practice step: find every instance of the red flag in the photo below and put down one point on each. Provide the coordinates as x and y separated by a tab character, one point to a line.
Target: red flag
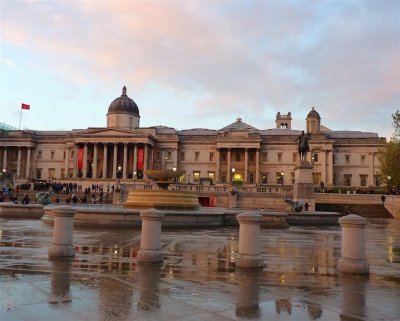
25	106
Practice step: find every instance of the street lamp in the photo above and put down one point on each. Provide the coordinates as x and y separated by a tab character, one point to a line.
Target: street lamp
174	170
134	177
282	175
233	175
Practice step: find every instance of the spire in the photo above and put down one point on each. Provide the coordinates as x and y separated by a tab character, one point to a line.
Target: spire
124	91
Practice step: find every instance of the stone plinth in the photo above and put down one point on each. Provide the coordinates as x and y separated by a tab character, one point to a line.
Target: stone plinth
249	241
150	242
303	187
62	232
353	252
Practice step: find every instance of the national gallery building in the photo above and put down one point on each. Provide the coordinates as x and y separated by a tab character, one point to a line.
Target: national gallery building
235	154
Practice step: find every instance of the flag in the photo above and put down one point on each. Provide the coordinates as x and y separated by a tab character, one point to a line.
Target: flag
25	106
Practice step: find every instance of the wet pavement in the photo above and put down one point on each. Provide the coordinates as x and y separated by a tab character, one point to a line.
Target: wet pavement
198	279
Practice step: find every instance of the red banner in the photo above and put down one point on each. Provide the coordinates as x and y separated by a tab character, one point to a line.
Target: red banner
140	163
25	106
80	158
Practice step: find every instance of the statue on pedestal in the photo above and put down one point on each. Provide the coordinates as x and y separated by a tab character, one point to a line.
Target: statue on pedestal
304	146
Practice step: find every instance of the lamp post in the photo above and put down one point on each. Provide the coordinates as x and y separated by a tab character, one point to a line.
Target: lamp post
134	178
233	175
174	170
282	176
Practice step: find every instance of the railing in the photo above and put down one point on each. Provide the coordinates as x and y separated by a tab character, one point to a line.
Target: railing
285	190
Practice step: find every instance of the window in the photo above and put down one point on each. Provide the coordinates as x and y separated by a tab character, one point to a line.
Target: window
315	158
182	179
363	180
168	156
347	179
362	160
264	178
294	158
237	156
196	156
72	154
279	157
158	155
196	176
265	157
211	175
65	154
251	178
279	178
223	157
293	176
52	154
211	157
223	178
182	156
251	157
377	180
347	159
39	154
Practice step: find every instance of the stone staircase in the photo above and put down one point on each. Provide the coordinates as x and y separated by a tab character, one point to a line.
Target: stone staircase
364	210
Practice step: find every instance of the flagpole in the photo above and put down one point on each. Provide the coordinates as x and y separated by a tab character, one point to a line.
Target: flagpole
20	116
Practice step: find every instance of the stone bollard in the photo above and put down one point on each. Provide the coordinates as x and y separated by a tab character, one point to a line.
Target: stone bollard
249	241
62	232
353	259
150	242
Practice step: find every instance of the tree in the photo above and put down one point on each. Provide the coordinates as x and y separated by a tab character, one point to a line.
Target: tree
389	158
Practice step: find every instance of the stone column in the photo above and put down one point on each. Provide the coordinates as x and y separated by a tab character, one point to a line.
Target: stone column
85	158
135	158
150	242
105	148
62	232
323	166
246	165
114	175
218	167
228	165
146	157
329	180
95	160
163	162
124	165
28	163
75	173
249	241
353	259
257	166
19	163
371	169
66	162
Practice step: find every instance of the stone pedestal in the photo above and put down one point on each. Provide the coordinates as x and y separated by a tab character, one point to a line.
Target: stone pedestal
233	199
303	187
150	243
62	232
352	259
249	241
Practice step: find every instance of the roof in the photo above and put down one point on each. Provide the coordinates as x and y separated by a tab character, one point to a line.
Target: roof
123	104
238	125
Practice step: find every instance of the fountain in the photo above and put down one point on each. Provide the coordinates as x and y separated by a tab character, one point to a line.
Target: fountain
162	198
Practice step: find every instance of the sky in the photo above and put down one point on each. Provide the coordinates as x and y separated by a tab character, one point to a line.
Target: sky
201	64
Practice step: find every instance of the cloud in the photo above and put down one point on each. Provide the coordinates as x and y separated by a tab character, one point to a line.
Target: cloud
248	59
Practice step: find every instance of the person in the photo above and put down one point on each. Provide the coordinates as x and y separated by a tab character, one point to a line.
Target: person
306	206
25	199
383	198
74	199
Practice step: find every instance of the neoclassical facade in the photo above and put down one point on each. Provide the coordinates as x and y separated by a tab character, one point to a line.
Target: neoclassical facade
235	154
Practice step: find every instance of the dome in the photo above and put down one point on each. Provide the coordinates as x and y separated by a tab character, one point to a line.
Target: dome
313	114
123	104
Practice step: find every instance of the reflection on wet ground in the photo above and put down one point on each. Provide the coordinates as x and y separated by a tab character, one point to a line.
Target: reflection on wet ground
198	279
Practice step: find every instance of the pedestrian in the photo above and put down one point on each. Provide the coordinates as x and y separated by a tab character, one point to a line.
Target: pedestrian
383	198
25	199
